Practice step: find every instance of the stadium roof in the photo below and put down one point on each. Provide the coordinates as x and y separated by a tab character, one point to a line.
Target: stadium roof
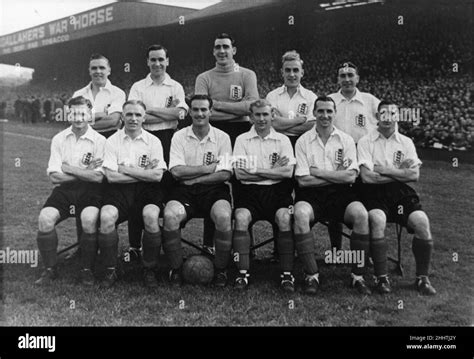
225	7
104	19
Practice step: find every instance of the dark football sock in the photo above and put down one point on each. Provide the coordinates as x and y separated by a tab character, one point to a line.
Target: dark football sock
47	245
172	248
378	249
305	247
108	244
286	250
241	244
360	242
208	232
223	243
151	248
422	250
88	245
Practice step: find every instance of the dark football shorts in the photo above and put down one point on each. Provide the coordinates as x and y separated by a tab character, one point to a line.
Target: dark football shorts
263	201
131	198
328	202
198	199
71	198
396	199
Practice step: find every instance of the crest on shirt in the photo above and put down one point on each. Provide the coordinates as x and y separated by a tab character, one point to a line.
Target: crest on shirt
302	108
86	159
398	157
169	101
208	158
274	157
143	161
338	156
360	120
236	92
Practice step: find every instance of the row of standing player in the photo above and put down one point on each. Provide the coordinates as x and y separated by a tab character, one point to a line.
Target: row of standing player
232	89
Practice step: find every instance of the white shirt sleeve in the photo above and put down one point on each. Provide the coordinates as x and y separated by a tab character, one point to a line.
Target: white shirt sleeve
181	97
287	150
134	93
225	155
364	154
157	152
302	164
350	154
177	151
55	159
411	153
99	152
110	155
117	102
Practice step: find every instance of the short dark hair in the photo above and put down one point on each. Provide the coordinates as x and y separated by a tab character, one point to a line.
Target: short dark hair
385	102
97	56
79	101
347	64
201	97
154	48
134	102
224	35
323	98
261	102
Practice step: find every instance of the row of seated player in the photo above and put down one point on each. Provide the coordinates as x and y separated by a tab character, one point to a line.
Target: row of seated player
326	169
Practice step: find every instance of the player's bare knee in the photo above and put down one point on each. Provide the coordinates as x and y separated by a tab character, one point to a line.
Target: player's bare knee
283	220
108	217
420	223
222	219
378	222
46	220
302	215
89	220
171	218
242	219
150	218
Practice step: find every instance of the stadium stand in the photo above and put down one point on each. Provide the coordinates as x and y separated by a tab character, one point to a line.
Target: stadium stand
413	63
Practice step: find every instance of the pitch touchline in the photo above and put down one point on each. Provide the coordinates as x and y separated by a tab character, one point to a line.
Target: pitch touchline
28	136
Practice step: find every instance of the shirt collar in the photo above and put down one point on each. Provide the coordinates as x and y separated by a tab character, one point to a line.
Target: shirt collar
211	136
315	134
149	81
87	135
376	134
108	86
356	97
142	136
300	89
253	133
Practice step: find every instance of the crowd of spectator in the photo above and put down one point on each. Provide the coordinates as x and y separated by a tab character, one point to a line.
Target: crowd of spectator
422	60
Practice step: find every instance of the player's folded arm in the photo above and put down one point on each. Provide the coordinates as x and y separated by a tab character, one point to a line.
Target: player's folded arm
102	120
276	173
145	175
161	114
347	176
371	177
242	175
87	175
215	177
59	178
411	174
117	177
182	172
311	181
